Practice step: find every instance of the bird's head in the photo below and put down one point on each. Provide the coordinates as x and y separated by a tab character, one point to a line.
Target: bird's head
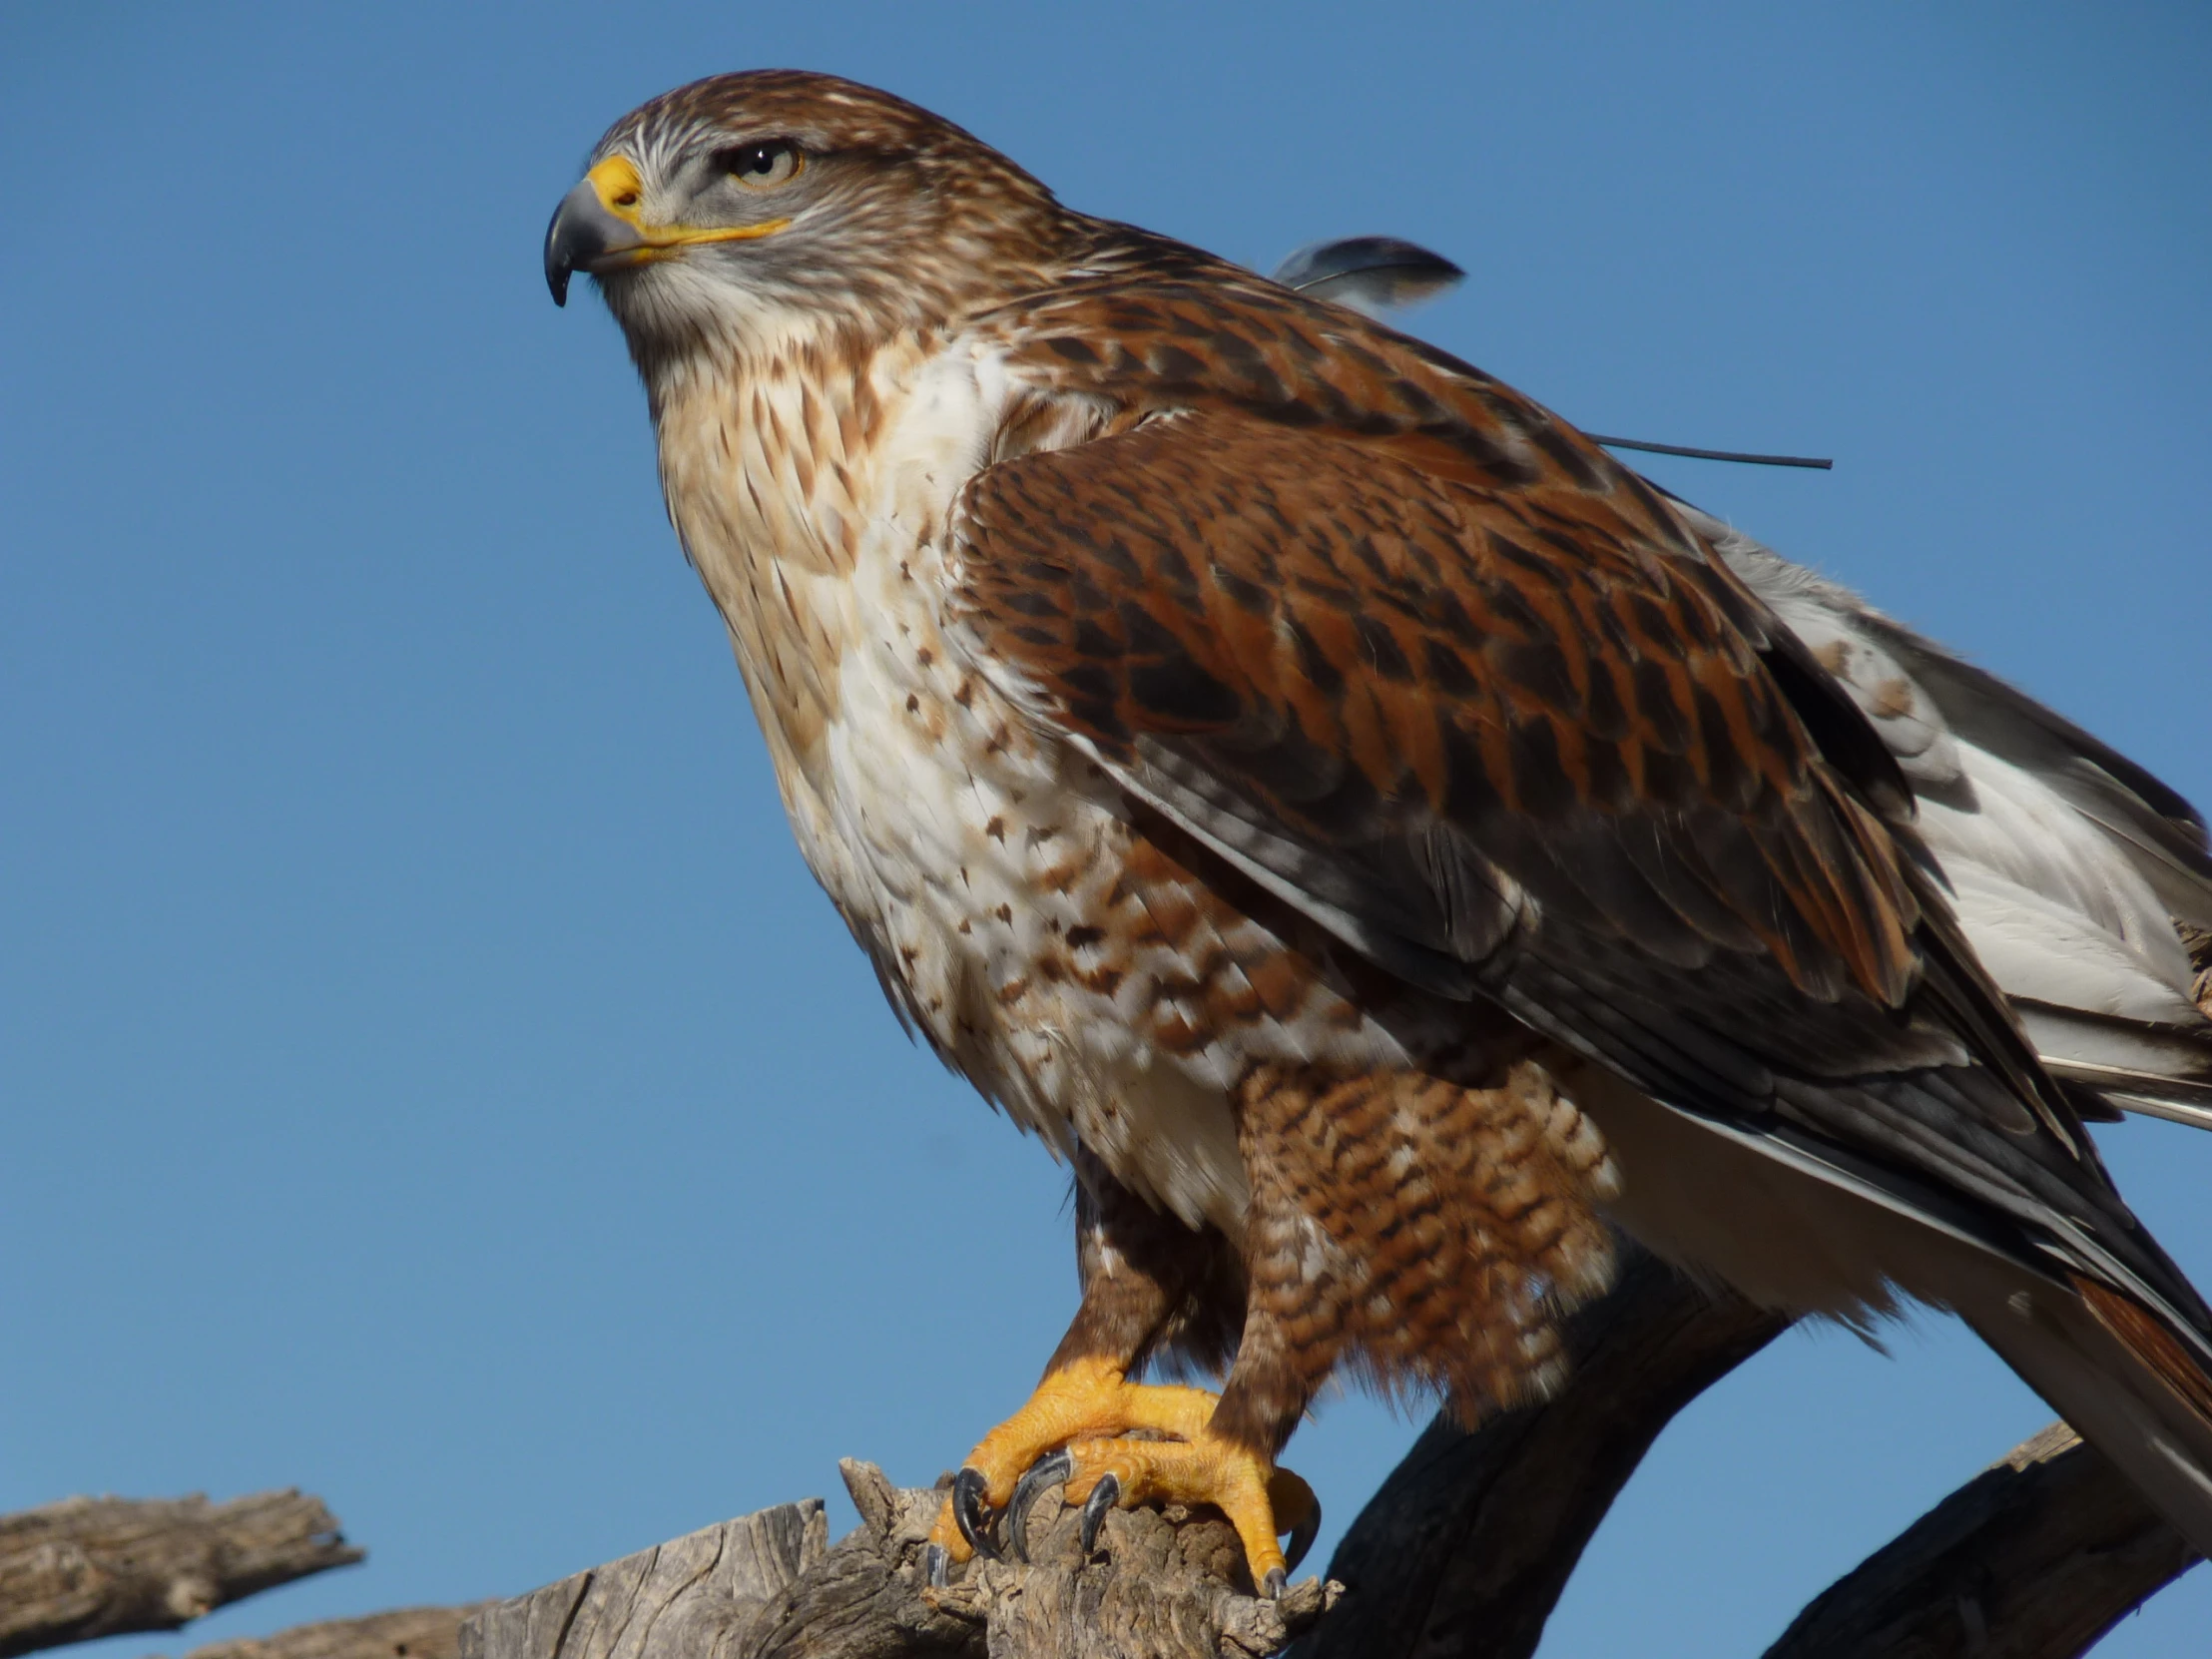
745	208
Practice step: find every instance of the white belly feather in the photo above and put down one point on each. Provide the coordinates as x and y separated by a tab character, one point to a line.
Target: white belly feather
943	828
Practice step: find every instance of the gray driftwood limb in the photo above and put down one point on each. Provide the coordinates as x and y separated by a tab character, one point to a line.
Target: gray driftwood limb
689	1597
1163	1586
1470	1542
2034	1558
402	1633
103	1566
1463	1551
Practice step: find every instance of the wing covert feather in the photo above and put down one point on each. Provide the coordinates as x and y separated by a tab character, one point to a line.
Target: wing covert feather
1414	681
1424	660
1504	761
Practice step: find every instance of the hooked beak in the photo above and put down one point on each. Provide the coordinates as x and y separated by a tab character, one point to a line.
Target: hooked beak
599	228
584	231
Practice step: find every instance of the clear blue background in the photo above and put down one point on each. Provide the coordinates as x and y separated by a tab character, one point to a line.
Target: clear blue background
429	1075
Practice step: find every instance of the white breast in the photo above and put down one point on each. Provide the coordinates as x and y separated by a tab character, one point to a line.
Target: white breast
956	840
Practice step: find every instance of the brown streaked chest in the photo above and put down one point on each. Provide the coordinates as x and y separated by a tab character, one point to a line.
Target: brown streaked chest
1049	947
774	464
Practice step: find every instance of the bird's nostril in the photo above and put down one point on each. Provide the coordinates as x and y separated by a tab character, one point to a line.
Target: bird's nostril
628	198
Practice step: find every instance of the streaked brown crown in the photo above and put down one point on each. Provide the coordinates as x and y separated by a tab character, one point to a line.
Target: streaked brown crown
826	112
904	215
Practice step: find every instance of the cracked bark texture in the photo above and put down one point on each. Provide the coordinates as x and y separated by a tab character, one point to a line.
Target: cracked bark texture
105	1566
1463	1552
1472	1537
2036	1558
1460	1553
771	1587
402	1633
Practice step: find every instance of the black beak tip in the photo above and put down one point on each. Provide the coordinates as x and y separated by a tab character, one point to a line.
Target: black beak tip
558	267
560	252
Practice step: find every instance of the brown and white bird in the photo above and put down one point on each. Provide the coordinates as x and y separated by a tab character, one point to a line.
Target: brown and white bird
2074	871
1371	833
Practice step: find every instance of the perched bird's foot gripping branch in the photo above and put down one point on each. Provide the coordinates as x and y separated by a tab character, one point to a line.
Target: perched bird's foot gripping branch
1107	1442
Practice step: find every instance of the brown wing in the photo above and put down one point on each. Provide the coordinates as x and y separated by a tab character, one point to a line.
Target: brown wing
1500	736
1401	694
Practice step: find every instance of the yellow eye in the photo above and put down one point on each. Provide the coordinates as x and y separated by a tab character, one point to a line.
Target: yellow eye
763	165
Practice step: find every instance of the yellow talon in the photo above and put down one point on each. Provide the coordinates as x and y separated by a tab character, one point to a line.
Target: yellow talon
1260	1501
1084	1399
1083	1409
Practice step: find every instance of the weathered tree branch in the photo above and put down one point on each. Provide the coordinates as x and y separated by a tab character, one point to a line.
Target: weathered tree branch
771	1587
404	1633
2034	1558
1471	1539
1463	1551
102	1566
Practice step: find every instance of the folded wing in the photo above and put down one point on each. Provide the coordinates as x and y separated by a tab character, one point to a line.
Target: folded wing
1509	744
2069	865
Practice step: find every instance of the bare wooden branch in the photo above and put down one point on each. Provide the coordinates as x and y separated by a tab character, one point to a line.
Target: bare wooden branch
1464	1551
1471	1539
687	1596
2036	1558
102	1566
404	1633
1159	1586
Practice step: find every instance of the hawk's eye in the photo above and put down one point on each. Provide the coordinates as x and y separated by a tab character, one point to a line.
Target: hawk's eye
761	164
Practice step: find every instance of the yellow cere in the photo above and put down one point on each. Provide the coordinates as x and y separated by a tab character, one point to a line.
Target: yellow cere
620	192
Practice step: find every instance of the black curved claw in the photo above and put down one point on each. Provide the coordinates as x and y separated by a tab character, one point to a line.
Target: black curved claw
1103	1497
1272	1586
967	1509
937	1565
1045	1471
1302	1538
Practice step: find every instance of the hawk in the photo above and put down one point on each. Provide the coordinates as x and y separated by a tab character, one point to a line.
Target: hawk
2074	871
1371	834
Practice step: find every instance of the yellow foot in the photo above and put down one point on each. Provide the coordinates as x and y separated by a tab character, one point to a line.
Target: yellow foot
1260	1500
1066	1433
1086	1400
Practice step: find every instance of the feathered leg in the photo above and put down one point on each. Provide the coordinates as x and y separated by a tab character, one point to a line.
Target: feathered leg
1429	1231
1148	1284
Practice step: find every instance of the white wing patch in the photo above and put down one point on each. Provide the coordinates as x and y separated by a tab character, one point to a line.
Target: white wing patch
2055	901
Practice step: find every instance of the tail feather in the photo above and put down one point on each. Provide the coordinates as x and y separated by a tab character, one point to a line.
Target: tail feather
2122	1376
2161	1104
2180	1366
2163	1068
2129	1369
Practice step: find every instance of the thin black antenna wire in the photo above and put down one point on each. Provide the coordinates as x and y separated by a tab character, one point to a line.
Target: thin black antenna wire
1710	454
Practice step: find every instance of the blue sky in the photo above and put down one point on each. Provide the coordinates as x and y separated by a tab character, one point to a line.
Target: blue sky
431	1076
